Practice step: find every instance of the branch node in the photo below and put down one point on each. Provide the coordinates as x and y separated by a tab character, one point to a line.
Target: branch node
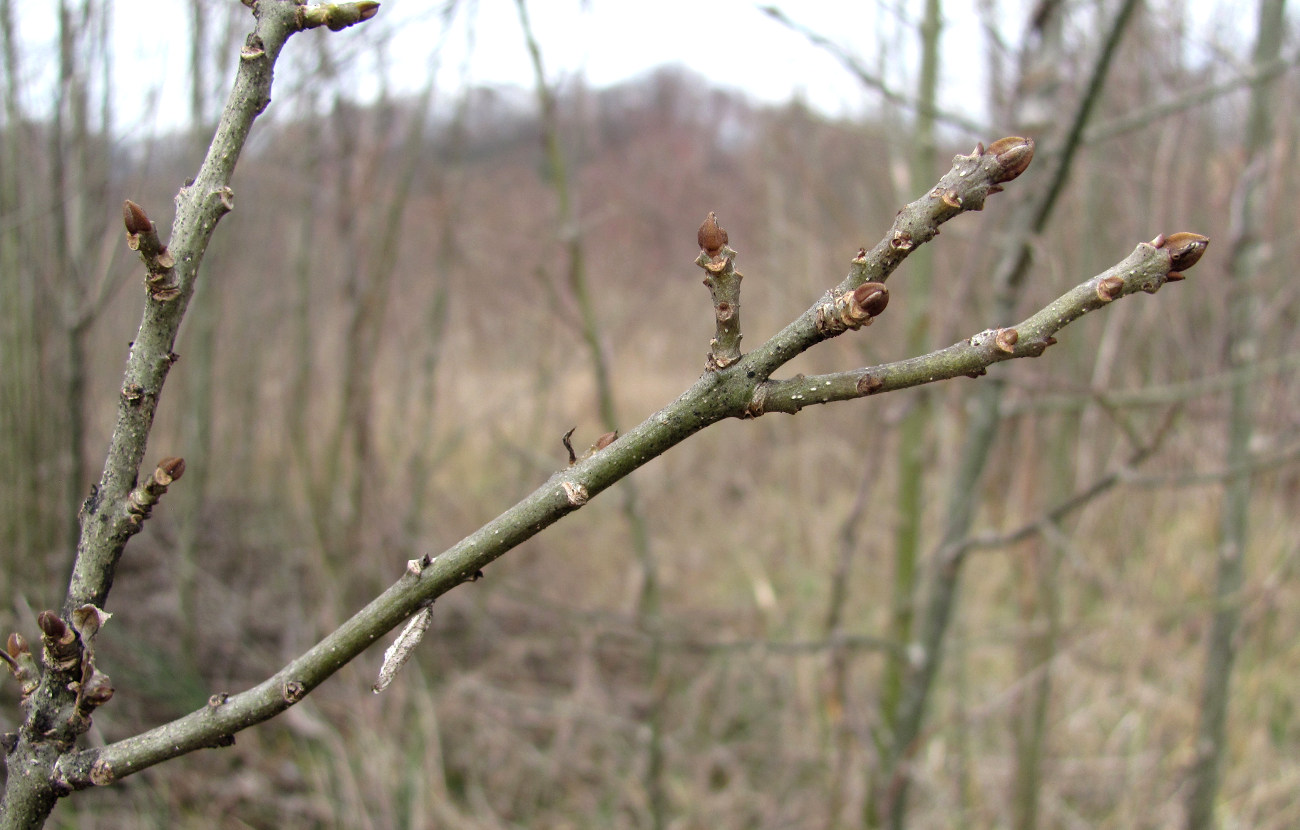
1006	340
293	691
1109	288
575	493
869	384
101	773
141	500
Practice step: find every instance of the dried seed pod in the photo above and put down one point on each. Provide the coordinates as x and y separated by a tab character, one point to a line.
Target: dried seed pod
1013	154
88	619
96	691
1185	249
711	235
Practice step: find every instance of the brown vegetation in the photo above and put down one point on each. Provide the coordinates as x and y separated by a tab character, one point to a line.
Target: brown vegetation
527	703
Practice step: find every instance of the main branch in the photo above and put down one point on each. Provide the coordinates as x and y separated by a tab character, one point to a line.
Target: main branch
740	389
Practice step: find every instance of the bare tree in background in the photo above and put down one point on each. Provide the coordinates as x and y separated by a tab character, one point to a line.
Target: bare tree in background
1240	349
63	686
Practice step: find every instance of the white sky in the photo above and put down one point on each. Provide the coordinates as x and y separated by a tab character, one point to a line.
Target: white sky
731	42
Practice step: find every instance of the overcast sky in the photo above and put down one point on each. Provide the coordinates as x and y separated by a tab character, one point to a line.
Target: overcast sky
731	42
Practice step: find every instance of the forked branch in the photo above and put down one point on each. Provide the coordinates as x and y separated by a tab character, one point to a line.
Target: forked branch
737	386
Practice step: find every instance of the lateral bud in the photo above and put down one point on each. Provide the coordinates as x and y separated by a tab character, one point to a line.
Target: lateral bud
1006	340
1110	288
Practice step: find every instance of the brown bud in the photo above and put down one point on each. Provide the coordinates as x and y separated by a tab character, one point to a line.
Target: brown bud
169	469
135	219
1185	249
979	149
873	297
711	235
17	645
951	198
1006	340
51	625
870	384
1013	155
1110	288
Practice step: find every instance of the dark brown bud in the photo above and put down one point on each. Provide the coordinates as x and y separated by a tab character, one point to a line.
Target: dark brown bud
1013	154
870	384
135	219
1110	288
711	235
51	625
873	297
1185	249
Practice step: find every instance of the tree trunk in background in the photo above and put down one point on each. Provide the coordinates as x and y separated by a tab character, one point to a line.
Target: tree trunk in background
200	355
648	599
982	428
1247	254
915	438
